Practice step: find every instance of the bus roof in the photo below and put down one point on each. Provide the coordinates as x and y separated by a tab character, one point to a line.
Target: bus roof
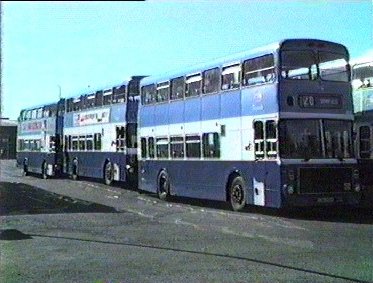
39	106
93	91
233	59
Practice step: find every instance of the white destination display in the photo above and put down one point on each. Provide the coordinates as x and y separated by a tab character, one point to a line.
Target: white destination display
91	117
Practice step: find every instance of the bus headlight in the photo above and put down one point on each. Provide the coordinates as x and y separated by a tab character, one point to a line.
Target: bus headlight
289	189
355	174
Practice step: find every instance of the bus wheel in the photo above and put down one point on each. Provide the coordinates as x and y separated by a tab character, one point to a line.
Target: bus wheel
44	171
74	174
237	196
108	174
25	170
163	189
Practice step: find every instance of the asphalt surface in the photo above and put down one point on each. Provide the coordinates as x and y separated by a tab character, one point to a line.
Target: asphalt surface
60	230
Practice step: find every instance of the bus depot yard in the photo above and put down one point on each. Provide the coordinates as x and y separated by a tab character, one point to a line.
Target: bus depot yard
270	132
61	230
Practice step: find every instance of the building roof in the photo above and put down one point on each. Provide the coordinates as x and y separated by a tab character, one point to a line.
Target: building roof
7	123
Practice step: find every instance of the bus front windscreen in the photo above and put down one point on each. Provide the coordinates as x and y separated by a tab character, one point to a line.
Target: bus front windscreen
308	65
333	67
362	75
315	138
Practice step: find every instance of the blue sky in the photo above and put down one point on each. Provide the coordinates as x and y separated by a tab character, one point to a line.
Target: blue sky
83	46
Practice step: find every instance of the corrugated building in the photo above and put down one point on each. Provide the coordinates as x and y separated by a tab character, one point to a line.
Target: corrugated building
8	139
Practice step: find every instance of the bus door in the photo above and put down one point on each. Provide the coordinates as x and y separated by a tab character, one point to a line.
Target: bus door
259	167
265	152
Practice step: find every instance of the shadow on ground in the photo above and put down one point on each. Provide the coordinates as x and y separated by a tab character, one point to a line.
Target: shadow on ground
343	214
18	198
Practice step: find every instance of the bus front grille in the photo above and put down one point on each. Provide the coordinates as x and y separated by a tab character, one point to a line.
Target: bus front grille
324	180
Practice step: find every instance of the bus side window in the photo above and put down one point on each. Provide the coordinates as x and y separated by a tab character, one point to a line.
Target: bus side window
98	98
162	147
89	142
193	146
177	147
193	85
151	147
107	96
177	88
163	91
271	139
211	80
211	145
148	94
231	77
143	148
259	139
259	70
97	141
364	142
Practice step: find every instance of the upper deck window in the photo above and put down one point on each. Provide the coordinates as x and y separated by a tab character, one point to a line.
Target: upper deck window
333	67
69	105
39	113
33	114
193	85
76	104
259	70
99	98
298	65
211	80
107	96
28	115
90	101
46	112
148	94
231	77
177	88
163	91
119	94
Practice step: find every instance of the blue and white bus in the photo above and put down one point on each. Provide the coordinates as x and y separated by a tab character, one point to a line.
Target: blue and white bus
362	83
269	127
39	139
100	133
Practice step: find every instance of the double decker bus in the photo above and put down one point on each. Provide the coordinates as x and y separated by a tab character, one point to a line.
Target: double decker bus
362	83
269	127
39	139
100	133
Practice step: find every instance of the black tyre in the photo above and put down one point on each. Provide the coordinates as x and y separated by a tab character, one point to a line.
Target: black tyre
237	194
74	174
108	174
163	189
44	171
25	170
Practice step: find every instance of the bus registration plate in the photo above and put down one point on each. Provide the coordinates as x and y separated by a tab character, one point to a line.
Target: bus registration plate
325	200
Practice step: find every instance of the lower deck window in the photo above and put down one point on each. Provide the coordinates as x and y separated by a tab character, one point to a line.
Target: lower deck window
193	146
162	147
211	145
177	147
